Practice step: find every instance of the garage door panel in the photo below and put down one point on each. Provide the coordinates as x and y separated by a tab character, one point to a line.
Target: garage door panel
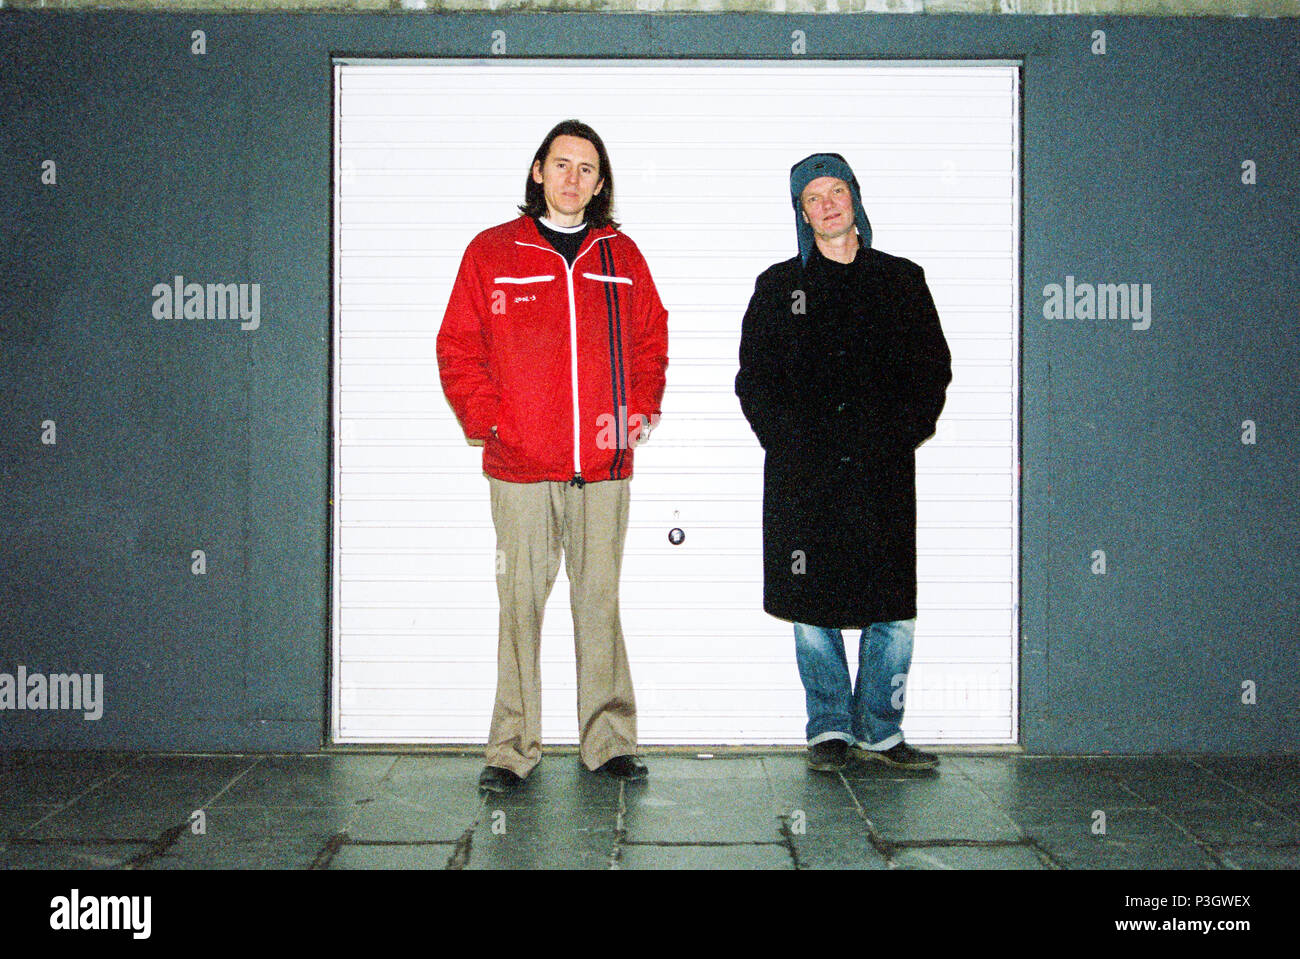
380	482
777	108
663	480
361	348
396	534
410	511
435	566
439	452
687	566
987	539
937	484
701	508
668	452
705	401
434	646
427	400
413	617
414	700
405	373
415	612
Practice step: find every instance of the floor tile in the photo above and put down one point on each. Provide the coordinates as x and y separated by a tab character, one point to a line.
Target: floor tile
705	857
700	811
17	816
942	814
1098	853
49	777
430	818
558	842
1259	857
1243	821
959	857
391	857
835	838
1274	778
309	780
68	855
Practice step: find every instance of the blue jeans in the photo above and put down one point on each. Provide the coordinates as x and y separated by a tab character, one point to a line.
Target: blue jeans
872	714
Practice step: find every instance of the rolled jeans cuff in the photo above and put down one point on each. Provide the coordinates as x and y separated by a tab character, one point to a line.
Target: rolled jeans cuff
831	734
889	742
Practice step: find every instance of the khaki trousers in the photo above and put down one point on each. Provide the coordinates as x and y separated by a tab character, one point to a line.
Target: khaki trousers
535	523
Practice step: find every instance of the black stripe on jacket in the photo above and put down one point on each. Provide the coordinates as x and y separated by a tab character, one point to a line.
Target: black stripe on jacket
617	376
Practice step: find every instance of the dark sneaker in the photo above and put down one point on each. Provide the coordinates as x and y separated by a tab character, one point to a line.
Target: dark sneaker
828	756
625	767
901	756
494	779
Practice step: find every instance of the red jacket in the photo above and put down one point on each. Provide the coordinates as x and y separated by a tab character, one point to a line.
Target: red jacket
506	356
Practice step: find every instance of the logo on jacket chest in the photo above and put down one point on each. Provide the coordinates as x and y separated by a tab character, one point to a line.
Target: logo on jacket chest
518	289
502	301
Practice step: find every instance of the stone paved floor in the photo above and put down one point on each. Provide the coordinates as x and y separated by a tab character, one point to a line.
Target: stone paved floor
740	810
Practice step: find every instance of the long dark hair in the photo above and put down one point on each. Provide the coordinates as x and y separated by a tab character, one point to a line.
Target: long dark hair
600	211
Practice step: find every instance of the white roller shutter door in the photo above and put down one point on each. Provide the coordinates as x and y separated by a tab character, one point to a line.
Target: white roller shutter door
427	154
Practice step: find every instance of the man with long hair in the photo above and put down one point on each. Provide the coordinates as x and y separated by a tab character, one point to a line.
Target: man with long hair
553	353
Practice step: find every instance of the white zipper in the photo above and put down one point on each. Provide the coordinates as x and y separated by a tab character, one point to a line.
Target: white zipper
573	344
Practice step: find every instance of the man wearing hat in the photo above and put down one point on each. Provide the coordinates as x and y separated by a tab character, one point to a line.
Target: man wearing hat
843	374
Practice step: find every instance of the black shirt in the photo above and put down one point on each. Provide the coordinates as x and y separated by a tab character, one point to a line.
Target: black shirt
566	244
836	272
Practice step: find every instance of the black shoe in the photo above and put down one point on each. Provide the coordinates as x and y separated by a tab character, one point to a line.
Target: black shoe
901	756
828	756
625	767
495	779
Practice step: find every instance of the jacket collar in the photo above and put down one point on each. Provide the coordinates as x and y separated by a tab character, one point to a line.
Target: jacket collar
527	232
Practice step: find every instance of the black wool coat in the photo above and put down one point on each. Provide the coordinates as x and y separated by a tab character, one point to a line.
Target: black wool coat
843	373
